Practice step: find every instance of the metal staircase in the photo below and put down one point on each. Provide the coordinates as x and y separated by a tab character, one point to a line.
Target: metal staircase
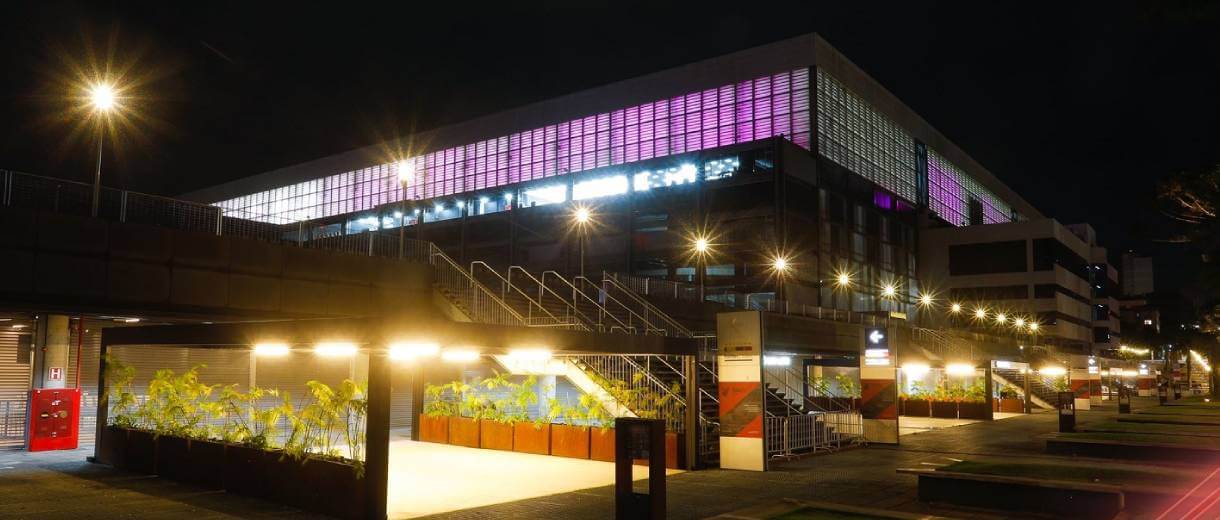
518	297
1042	392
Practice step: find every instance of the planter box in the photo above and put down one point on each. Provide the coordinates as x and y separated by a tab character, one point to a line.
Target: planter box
917	407
969	410
601	444
1051	498
192	461
248	471
944	409
140	454
344	495
464	431
570	441
532	438
112	446
434	429
1012	405
495	435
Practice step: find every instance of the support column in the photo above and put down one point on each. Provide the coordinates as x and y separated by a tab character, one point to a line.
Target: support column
742	401
51	351
691	421
878	386
377	435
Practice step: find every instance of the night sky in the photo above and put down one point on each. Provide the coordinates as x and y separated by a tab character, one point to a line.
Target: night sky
1078	108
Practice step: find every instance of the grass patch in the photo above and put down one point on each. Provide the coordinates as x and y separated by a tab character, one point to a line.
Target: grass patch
1208	411
1091	473
1183	440
813	513
1151	428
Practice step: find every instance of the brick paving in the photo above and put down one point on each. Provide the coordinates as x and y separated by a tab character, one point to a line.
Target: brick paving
62	485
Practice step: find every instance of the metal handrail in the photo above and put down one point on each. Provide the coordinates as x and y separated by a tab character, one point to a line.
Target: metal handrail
619	367
618	324
447	270
506	286
543	290
678	329
632	316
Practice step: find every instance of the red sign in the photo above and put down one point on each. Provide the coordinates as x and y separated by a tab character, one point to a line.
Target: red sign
56	374
54	418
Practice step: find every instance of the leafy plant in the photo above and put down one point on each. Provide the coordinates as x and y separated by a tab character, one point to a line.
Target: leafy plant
848	387
119	377
177	404
247	423
819	386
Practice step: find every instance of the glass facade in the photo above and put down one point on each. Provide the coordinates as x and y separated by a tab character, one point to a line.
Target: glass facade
770	106
951	190
853	134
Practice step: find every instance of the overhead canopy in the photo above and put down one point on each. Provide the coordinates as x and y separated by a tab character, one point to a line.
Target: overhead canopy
381	332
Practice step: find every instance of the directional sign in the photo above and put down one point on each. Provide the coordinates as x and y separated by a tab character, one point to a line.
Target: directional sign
55	374
876	336
876	347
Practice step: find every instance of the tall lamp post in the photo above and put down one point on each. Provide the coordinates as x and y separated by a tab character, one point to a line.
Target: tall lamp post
581	218
701	247
101	97
781	266
406	172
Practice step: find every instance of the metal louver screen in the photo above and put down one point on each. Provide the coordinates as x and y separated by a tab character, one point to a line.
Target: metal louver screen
14	391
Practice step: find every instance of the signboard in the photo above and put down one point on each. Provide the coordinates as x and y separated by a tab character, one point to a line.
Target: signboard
55	374
742	403
877	347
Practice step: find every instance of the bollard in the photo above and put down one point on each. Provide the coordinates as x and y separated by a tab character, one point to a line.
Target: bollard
639	439
1067	412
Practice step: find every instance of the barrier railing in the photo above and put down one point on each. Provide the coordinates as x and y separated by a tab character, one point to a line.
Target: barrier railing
12	424
796	435
637	378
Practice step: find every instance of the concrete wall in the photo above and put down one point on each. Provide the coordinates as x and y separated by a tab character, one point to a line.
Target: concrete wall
60	262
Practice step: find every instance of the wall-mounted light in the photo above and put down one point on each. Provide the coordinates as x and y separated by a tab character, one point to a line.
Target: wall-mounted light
960	369
1052	371
460	355
404	350
335	349
915	370
271	349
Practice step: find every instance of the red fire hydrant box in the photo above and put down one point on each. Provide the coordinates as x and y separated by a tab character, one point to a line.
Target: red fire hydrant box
54	418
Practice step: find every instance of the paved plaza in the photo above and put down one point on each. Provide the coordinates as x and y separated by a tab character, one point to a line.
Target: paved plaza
62	485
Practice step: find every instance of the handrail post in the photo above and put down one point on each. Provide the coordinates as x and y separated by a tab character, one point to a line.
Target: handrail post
220	216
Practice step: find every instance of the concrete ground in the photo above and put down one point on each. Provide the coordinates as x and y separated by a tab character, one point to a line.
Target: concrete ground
62	485
908	424
456	478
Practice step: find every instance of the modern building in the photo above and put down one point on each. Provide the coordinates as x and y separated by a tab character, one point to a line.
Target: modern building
1137	275
788	150
1035	270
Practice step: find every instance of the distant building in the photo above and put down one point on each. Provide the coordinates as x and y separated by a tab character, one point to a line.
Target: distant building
1137	275
1037	269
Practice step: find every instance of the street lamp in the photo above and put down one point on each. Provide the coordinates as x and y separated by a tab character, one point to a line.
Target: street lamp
406	173
781	266
702	248
582	216
102	98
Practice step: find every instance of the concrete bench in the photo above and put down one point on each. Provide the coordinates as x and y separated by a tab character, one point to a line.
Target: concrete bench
1049	497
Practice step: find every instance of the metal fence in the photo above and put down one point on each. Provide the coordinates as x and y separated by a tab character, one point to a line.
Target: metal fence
12	423
796	435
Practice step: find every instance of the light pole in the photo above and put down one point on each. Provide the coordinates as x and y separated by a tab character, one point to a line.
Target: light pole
101	96
701	249
781	266
406	171
581	217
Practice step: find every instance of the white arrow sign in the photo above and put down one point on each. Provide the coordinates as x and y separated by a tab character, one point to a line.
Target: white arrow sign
876	336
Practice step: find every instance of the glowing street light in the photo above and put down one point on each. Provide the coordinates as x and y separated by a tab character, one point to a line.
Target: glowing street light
780	265
1001	318
955	308
843	279
926	300
406	174
980	313
1019	323
1034	326
104	100
889	291
581	217
702	247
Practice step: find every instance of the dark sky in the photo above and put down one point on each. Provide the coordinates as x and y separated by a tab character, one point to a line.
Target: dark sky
1080	108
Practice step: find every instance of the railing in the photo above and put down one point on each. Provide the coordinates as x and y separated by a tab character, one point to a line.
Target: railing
638	379
657	319
747	301
12	424
625	314
570	309
455	283
796	435
535	314
606	320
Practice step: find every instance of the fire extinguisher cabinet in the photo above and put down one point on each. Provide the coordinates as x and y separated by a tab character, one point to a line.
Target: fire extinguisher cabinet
54	418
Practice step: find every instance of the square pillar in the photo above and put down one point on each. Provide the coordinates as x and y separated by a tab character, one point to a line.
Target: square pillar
742	400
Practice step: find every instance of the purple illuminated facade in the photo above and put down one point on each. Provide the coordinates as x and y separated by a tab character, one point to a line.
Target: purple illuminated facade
765	107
